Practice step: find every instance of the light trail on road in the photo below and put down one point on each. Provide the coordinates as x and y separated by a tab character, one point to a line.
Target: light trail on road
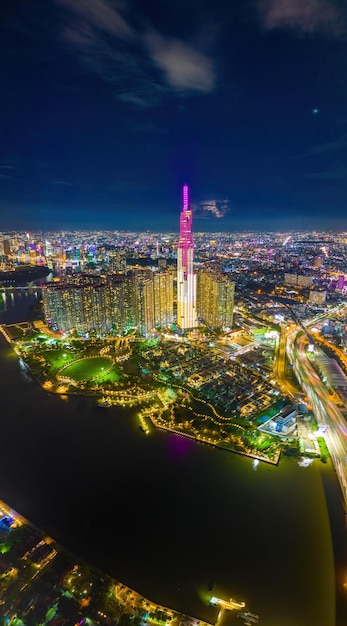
326	412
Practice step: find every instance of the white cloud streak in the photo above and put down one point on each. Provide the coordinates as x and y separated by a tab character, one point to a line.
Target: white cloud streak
216	208
308	16
100	14
184	67
142	66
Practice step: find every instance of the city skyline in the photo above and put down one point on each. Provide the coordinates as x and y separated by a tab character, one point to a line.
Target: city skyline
264	380
110	108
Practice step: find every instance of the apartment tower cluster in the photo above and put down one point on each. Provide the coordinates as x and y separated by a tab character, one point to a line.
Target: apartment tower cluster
143	300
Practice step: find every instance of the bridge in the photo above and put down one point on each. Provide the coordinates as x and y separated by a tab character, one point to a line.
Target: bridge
18	288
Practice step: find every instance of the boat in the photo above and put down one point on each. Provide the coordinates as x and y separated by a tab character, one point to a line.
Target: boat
251	618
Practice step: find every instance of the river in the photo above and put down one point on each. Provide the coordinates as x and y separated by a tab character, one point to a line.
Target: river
166	515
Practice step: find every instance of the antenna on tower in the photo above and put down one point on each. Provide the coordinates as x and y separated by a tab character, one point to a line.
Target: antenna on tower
185	198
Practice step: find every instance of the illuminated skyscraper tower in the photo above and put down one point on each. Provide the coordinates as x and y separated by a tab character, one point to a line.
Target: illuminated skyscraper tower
186	286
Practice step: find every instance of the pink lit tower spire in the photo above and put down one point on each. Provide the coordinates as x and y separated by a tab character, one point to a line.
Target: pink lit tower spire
186	286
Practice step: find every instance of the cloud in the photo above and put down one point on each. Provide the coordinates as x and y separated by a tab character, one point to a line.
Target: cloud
308	16
109	47
128	58
217	208
101	14
333	175
340	143
184	67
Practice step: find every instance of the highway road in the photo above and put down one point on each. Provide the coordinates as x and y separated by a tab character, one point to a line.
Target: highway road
326	412
280	365
293	341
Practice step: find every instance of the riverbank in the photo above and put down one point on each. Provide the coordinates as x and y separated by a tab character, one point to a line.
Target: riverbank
249	455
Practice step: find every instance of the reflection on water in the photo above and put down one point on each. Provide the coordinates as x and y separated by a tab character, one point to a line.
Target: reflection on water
16	304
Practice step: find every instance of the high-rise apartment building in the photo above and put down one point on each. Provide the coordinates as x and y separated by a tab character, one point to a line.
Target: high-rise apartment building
163	298
145	306
154	302
79	308
68	308
47	248
84	308
6	247
122	301
215	299
186	285
117	260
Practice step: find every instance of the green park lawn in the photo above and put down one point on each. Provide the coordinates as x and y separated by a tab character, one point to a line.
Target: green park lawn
59	357
89	368
114	376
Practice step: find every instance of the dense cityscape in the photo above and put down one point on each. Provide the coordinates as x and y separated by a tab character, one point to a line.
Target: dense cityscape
233	340
173	313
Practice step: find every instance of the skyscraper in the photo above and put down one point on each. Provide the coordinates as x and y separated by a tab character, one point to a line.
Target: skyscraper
215	299
163	298
154	302
145	306
186	286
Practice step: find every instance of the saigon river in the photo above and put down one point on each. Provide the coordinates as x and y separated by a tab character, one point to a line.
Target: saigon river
168	516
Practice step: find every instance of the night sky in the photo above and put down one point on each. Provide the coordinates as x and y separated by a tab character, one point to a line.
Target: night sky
109	106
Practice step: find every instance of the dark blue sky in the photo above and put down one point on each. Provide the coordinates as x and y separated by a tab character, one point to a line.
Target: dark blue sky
108	107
